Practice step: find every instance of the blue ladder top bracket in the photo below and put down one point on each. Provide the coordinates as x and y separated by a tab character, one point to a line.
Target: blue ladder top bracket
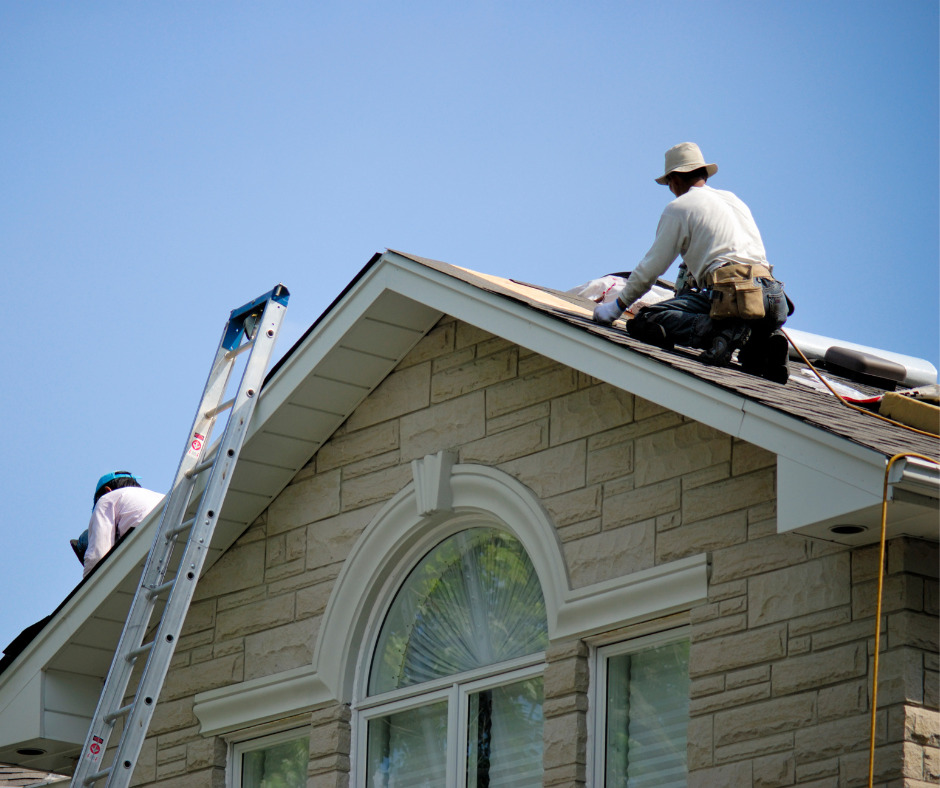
236	327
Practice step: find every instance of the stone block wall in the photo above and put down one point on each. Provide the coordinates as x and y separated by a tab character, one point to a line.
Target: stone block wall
629	485
781	666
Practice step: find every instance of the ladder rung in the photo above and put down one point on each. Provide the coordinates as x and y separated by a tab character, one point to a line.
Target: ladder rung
261	320
93	778
151	593
184	526
132	655
211	414
239	350
109	718
197	469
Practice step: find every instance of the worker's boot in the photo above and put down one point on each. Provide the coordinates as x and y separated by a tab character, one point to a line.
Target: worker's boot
766	357
724	343
650	333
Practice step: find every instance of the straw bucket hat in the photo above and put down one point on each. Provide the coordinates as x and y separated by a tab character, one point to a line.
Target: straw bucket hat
685	157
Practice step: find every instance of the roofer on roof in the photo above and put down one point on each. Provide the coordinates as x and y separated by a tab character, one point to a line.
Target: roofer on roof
120	505
734	303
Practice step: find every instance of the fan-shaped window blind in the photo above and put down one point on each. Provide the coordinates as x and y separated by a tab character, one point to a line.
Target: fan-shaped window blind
474	600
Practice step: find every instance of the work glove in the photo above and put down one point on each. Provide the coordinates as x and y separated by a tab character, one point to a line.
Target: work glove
606	314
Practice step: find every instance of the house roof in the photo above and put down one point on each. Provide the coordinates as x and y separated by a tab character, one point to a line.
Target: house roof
383	313
812	407
22	778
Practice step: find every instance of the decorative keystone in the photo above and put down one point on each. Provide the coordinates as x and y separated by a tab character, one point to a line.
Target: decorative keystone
432	482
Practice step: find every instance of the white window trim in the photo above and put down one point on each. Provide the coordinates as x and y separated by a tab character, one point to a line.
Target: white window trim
597	766
494	499
238	748
476	674
454	688
456	693
397	532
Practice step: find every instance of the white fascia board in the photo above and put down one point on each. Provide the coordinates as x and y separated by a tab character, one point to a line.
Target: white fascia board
260	700
327	335
813	496
731	413
21	716
134	550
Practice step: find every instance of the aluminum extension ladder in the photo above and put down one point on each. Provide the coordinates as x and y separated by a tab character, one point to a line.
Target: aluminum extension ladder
252	328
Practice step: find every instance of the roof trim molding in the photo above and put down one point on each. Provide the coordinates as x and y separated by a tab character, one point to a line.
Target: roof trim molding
260	700
385	552
398	536
731	413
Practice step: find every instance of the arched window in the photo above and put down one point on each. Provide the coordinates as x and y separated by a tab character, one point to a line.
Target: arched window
455	684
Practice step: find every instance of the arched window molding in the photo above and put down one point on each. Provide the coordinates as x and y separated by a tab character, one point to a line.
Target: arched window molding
446	498
443	499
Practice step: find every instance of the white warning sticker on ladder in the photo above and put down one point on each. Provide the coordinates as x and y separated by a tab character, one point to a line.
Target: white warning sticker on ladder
94	749
195	445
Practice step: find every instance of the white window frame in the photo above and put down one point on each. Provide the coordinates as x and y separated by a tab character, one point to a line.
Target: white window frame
238	748
453	688
599	694
455	691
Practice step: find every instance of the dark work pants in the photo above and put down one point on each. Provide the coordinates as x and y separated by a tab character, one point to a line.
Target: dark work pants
686	321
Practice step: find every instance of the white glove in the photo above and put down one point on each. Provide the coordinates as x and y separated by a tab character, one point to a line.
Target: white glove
606	314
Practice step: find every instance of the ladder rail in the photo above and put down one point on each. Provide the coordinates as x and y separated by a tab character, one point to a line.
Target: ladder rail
194	555
138	617
159	651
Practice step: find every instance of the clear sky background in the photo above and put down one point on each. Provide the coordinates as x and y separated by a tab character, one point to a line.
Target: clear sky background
162	163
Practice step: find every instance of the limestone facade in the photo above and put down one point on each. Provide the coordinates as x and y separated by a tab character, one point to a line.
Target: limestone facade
781	653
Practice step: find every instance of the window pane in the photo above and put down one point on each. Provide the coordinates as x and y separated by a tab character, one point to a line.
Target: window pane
280	766
408	749
504	738
648	717
474	600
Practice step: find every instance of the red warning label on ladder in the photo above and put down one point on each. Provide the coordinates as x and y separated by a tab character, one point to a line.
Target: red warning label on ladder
195	445
94	749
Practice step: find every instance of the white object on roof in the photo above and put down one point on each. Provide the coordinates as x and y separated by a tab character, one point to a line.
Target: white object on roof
814	383
605	290
919	371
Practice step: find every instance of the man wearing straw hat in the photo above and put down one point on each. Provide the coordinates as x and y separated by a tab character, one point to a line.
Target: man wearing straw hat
737	304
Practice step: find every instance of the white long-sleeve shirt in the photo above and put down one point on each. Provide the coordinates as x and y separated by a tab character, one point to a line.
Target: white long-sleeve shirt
707	227
115	514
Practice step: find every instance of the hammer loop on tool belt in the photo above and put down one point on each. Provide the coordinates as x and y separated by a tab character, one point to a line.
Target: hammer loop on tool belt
735	291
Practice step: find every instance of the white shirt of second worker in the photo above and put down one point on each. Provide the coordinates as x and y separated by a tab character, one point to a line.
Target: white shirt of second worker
707	227
115	514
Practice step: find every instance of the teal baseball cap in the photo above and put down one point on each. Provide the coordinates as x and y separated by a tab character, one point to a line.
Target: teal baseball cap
110	477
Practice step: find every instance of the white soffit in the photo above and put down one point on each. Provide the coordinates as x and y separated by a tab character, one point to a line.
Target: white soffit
346	355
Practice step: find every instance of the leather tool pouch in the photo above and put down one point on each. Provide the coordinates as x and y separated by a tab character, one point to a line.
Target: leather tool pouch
736	292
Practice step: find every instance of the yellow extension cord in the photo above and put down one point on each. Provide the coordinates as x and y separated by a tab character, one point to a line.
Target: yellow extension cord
881	552
881	578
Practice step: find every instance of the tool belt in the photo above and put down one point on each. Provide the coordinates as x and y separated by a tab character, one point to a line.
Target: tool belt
735	291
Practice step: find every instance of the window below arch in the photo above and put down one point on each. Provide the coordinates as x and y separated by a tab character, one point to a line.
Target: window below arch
455	685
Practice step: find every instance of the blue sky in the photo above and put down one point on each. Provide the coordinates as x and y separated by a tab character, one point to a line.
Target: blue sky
165	162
